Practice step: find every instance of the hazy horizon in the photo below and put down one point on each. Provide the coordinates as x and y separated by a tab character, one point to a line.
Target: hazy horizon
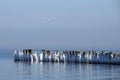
68	24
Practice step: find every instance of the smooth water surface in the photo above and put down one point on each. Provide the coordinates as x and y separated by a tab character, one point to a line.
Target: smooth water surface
10	70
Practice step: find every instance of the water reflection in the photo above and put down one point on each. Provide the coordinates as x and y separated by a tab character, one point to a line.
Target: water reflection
66	71
23	70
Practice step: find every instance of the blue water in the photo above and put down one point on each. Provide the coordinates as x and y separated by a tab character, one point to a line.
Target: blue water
10	70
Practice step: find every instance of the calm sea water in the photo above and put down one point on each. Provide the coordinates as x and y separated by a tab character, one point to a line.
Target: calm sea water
10	70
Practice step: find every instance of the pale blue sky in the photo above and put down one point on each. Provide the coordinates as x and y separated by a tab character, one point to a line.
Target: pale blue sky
90	24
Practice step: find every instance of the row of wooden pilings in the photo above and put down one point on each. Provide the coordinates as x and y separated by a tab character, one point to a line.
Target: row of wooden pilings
84	57
91	57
